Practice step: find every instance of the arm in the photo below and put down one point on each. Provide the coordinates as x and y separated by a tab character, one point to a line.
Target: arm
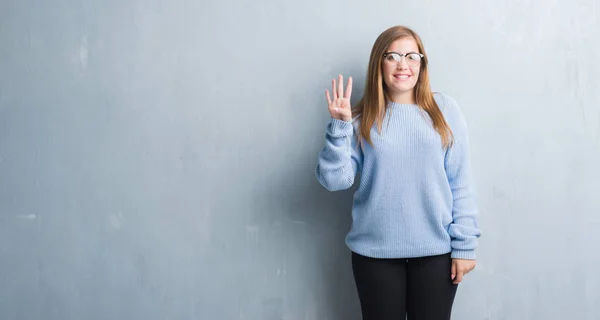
341	157
464	230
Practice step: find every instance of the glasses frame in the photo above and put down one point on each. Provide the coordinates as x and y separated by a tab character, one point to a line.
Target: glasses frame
403	55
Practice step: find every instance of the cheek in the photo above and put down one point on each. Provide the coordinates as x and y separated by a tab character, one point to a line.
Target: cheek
416	72
416	75
386	72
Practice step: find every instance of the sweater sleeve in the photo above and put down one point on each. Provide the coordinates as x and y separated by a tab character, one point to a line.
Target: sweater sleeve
340	159
464	230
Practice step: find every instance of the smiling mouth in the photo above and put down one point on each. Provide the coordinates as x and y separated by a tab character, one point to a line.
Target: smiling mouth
402	76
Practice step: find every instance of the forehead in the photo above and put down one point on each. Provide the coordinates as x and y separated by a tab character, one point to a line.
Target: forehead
404	45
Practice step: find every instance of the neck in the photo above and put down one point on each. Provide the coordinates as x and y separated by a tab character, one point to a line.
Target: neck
403	97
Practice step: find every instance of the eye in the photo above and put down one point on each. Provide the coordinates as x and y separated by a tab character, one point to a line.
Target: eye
392	57
414	57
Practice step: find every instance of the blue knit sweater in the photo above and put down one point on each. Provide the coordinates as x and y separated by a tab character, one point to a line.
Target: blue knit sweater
415	198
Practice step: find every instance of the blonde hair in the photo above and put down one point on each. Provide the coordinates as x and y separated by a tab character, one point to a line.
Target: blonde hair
371	107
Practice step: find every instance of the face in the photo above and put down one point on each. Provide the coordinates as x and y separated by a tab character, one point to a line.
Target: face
401	77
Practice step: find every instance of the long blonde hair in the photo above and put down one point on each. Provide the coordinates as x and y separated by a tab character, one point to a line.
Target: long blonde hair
371	107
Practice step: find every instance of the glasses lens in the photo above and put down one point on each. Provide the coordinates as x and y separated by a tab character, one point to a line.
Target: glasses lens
413	59
393	57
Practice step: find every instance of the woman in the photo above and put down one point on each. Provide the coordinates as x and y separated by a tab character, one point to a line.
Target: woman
414	219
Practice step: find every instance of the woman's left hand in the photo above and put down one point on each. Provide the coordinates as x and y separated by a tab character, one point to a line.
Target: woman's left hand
460	267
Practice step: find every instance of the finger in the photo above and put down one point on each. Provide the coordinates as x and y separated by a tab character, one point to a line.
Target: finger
328	97
348	88
459	277
333	89
340	86
470	269
453	271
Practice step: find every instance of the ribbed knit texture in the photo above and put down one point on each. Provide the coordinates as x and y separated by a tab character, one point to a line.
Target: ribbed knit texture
415	198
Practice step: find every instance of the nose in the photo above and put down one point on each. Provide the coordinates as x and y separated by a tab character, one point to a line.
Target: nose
402	64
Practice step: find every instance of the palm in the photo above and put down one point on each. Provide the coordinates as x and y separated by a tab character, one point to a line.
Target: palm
339	107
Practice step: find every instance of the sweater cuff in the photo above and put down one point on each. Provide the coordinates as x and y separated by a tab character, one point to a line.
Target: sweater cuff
463	254
340	128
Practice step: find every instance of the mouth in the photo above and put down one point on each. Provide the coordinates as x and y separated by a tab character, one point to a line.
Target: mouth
402	76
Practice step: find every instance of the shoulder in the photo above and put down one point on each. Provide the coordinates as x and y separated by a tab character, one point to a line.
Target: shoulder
450	109
445	102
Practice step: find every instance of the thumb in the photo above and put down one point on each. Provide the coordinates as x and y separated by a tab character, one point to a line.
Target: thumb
453	270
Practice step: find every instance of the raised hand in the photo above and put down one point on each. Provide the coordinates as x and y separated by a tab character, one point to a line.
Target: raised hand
339	107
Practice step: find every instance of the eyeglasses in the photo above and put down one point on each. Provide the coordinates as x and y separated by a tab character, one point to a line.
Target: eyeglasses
413	59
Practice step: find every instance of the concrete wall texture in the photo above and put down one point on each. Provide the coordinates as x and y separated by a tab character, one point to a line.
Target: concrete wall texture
157	157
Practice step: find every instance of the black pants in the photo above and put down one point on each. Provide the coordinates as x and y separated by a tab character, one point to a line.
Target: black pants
391	289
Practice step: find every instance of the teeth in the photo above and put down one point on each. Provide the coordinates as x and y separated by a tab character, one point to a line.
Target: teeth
402	77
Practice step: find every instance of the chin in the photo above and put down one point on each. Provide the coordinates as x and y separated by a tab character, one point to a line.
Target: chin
403	89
